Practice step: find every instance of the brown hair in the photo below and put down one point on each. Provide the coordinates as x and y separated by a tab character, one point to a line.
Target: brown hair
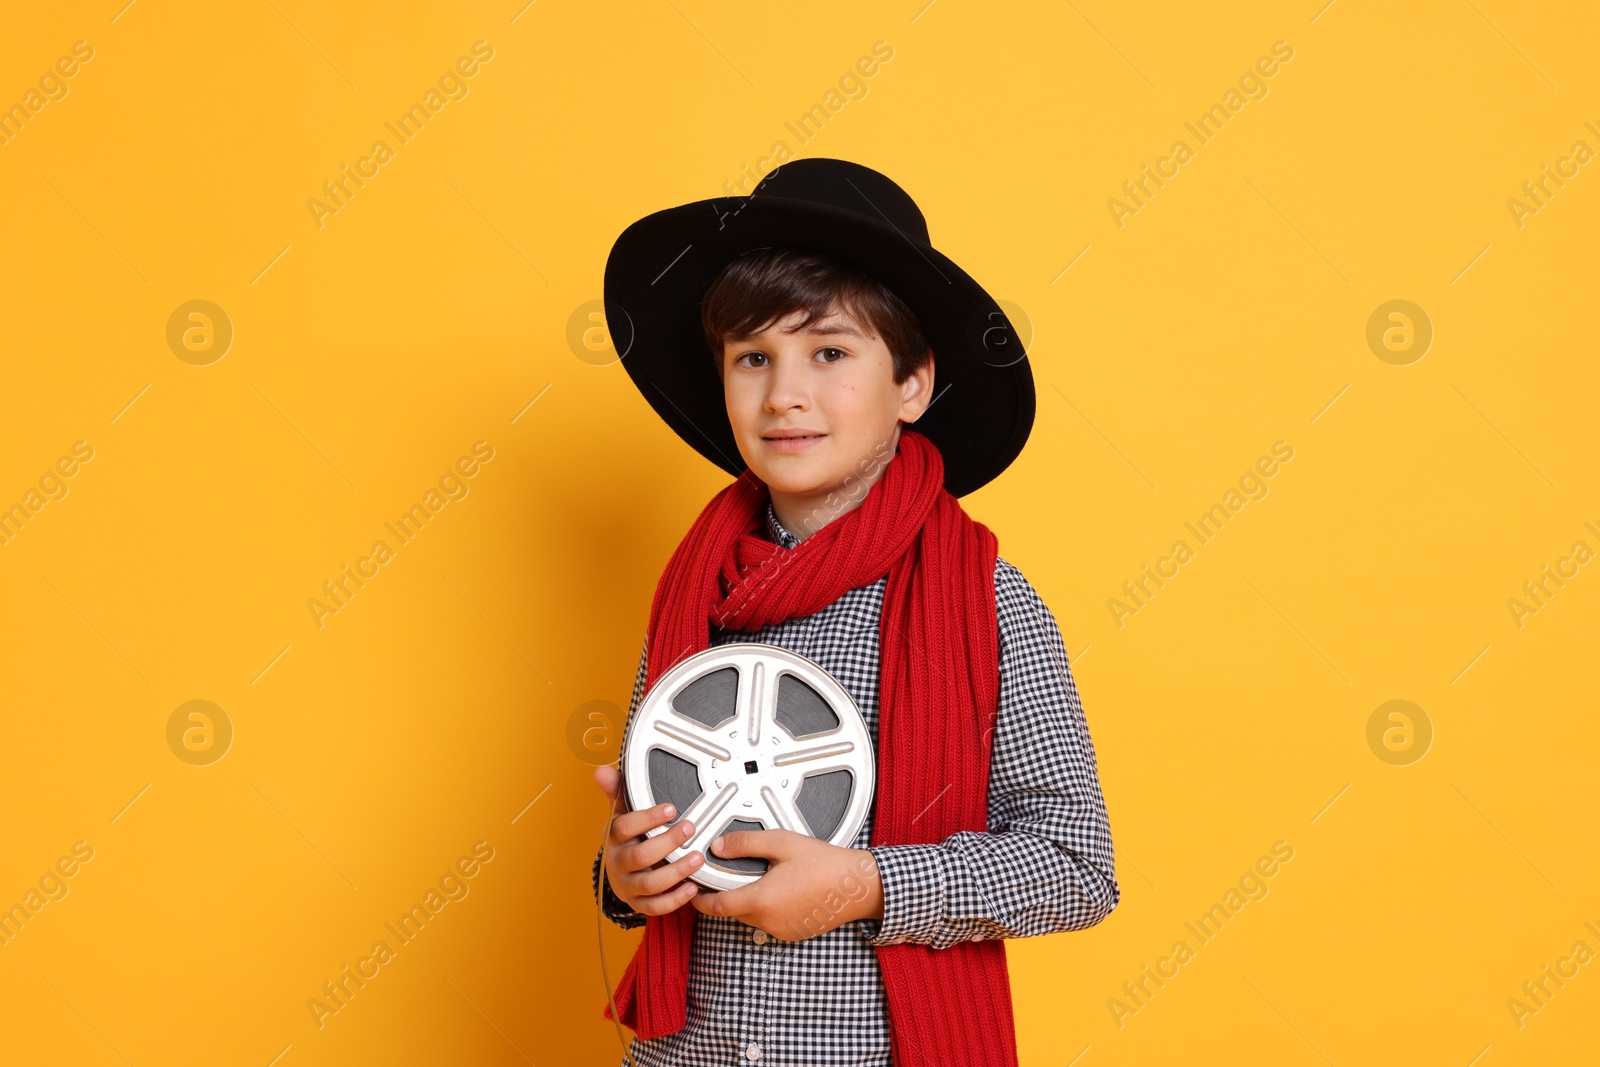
765	285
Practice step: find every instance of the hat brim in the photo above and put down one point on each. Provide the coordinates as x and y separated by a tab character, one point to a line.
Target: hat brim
662	265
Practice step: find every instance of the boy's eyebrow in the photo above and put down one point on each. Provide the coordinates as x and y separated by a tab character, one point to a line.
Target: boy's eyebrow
828	326
835	326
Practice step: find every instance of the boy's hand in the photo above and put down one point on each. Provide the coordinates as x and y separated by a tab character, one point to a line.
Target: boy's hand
631	858
810	886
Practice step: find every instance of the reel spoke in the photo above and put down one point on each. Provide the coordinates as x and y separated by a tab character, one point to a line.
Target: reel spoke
691	745
760	707
784	813
703	814
816	752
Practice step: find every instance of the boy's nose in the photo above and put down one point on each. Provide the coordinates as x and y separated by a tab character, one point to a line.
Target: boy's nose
786	385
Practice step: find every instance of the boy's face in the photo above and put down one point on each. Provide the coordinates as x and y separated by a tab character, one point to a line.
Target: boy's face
834	380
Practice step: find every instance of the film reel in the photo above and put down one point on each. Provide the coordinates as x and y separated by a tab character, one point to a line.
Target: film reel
750	736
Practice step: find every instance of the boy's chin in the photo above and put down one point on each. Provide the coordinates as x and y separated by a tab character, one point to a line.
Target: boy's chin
815	489
794	478
787	483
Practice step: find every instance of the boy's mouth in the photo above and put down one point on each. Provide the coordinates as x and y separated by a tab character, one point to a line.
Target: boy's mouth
791	440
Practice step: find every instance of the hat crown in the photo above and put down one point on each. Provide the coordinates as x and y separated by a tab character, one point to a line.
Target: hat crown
847	186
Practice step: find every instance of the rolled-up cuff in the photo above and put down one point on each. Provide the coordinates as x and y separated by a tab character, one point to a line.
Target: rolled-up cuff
913	893
612	905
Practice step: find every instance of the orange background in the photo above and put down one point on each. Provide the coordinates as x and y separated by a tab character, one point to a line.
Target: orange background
434	310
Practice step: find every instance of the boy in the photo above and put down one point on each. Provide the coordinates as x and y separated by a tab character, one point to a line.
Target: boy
841	539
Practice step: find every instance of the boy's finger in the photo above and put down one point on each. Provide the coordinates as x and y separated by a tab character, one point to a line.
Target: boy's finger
647	853
739	901
661	879
629	825
665	903
610	779
769	844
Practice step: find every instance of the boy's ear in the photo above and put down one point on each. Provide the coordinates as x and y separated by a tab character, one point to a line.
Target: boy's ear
919	386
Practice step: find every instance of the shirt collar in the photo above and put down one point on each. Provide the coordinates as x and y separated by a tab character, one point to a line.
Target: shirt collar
776	531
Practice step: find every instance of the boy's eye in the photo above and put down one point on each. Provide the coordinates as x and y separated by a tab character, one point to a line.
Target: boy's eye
838	354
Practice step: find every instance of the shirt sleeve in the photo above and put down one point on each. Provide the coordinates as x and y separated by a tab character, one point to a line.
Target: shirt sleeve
1046	863
613	906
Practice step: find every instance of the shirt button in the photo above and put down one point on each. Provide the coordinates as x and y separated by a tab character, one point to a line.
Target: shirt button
760	938
977	937
753	1052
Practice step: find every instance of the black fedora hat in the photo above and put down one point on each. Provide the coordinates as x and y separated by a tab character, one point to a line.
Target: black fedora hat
662	265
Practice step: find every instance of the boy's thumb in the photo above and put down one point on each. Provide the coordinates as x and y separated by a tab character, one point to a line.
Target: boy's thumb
609	779
765	843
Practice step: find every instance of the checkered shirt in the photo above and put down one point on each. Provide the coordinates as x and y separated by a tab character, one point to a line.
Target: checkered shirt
1044	865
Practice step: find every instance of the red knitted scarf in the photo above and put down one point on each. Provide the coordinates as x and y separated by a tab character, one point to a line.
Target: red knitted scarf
938	698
